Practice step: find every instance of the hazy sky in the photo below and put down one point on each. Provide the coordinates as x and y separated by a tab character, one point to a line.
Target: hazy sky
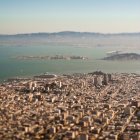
107	16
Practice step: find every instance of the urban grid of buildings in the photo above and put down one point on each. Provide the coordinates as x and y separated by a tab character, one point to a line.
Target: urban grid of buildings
94	106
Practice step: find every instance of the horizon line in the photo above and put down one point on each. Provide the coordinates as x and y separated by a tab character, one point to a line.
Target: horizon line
107	33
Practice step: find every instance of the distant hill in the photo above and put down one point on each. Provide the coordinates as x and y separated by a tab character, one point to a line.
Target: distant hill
69	33
73	38
124	56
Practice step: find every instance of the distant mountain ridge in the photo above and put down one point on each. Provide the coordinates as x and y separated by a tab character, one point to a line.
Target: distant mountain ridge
86	39
71	33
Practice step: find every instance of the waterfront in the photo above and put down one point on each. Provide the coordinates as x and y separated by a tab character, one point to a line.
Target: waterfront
10	67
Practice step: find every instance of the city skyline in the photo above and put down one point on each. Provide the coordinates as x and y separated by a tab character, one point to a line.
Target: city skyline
106	16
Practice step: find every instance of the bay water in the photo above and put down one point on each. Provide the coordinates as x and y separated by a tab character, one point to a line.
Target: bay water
11	67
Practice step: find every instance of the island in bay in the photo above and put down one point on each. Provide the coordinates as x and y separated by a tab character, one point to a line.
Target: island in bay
55	57
123	56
